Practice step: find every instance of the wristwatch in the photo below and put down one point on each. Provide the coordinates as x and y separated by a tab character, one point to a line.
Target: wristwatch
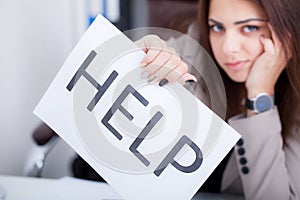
261	103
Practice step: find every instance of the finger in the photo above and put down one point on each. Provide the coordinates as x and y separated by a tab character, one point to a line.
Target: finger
275	38
279	46
158	66
171	50
154	41
169	66
156	56
176	73
187	78
152	45
150	41
140	43
151	55
160	60
181	75
184	79
268	45
289	49
289	53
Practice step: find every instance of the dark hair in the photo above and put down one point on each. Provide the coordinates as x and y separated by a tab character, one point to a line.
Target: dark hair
287	90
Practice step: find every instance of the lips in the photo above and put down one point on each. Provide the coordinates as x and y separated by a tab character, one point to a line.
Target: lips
235	65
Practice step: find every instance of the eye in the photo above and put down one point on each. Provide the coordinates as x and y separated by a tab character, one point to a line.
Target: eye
216	28
249	29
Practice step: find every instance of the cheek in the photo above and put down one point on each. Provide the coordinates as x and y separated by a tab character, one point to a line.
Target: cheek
253	48
215	46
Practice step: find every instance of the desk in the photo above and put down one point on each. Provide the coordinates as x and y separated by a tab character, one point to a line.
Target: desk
27	188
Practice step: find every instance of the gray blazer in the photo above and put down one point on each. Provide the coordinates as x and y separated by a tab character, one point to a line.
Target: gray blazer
260	167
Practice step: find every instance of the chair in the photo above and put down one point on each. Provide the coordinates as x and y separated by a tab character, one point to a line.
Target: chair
45	139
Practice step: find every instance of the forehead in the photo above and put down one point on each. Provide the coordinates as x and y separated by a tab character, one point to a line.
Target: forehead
234	10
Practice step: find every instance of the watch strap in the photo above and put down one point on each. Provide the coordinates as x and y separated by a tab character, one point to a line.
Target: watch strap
249	104
255	103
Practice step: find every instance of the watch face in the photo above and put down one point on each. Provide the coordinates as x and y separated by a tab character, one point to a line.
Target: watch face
264	103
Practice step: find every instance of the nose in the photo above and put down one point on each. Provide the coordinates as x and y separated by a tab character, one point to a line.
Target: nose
231	43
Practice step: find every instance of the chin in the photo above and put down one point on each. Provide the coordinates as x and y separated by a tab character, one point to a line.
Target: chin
238	79
238	76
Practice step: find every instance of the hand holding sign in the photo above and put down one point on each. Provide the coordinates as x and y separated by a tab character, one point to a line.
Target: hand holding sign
144	140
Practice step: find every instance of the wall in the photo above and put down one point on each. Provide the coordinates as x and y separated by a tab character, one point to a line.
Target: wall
36	37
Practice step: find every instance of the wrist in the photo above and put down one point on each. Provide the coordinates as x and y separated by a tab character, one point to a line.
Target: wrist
255	92
260	103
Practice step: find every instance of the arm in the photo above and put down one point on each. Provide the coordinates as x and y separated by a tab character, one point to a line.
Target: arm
263	166
271	171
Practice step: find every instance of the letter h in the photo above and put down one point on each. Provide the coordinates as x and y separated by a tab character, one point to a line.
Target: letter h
101	88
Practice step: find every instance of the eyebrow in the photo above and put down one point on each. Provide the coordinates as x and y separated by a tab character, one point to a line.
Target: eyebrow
249	20
240	22
214	21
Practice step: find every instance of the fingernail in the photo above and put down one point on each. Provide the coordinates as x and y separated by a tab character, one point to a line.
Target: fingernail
191	81
163	82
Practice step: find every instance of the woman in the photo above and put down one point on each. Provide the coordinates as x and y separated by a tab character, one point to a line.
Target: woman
256	44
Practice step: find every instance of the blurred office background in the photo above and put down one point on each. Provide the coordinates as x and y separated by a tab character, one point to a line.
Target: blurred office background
36	36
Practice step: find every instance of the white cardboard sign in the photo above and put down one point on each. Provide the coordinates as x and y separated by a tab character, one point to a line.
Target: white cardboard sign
146	141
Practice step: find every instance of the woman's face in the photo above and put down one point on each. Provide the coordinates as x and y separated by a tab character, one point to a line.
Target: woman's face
236	27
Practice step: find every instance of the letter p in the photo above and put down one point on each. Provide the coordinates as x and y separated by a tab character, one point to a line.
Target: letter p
169	159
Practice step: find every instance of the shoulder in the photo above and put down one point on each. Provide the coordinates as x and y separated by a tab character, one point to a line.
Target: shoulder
193	31
186	43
